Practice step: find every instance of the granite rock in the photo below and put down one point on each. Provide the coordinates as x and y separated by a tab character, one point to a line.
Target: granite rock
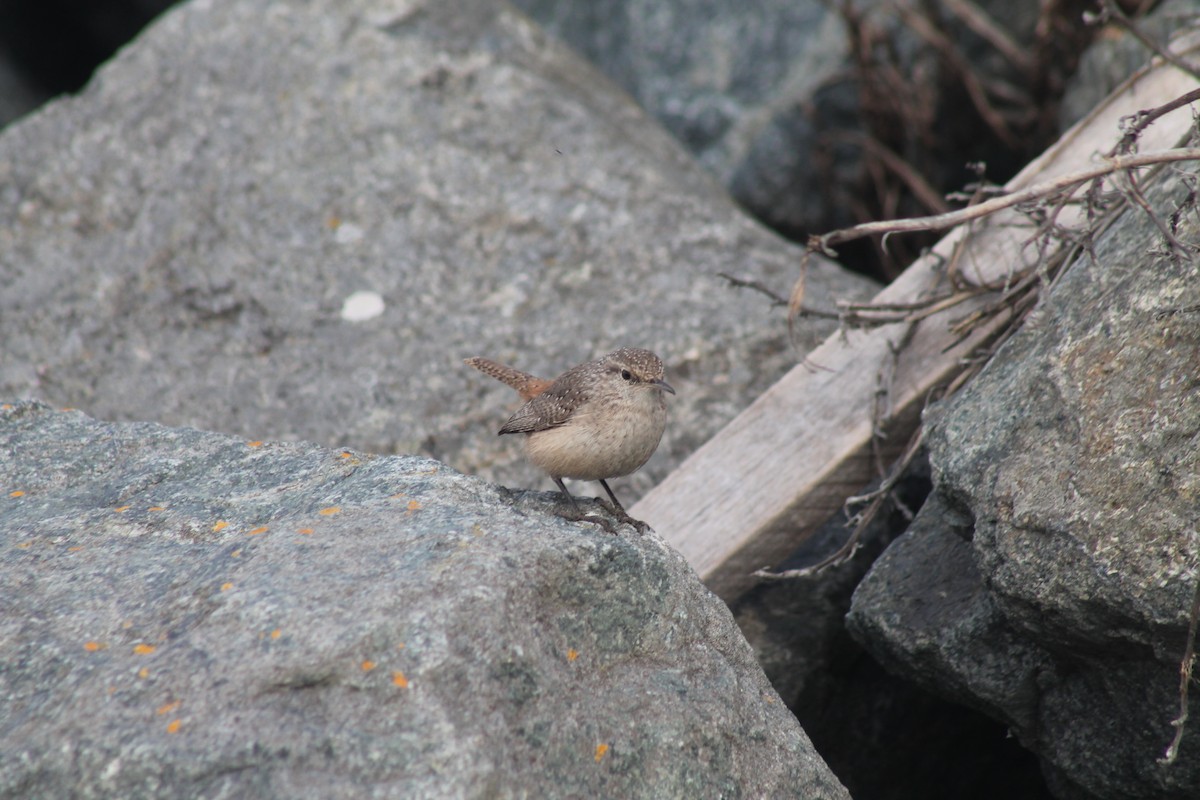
1048	582
190	614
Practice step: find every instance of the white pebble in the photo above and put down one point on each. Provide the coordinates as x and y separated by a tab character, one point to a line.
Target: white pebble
362	306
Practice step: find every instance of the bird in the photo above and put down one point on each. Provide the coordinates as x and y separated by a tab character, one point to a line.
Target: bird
598	420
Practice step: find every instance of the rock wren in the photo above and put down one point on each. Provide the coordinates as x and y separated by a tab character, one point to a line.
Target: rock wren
599	420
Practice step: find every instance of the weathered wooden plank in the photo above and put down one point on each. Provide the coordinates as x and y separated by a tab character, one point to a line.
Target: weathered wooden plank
781	468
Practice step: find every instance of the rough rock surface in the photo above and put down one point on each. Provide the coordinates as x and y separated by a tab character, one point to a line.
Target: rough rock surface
1049	580
190	614
178	242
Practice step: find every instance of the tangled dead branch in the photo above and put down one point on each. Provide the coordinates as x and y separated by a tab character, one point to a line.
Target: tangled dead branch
1099	190
1102	192
939	84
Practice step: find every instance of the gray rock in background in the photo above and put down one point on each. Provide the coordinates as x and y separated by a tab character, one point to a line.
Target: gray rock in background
1117	54
767	93
710	71
188	615
1068	470
177	243
749	88
17	95
51	47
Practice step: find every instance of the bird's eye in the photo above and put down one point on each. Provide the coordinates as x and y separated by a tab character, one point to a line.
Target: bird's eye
626	374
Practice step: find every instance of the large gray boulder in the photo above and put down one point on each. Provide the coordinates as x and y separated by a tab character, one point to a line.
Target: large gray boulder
189	614
178	242
1048	582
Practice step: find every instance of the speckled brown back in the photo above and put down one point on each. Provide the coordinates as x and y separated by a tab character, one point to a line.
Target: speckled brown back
581	384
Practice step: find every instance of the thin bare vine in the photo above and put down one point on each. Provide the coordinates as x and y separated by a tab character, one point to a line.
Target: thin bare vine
1046	190
1185	681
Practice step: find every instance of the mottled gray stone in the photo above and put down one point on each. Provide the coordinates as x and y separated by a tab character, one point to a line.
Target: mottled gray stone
916	636
711	71
1070	471
188	614
767	93
177	242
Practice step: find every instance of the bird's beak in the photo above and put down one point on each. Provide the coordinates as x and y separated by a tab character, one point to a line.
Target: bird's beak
666	387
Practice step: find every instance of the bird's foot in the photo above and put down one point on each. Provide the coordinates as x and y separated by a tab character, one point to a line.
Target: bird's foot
576	514
621	514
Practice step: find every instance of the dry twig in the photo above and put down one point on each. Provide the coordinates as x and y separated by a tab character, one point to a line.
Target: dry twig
1185	680
1040	191
875	501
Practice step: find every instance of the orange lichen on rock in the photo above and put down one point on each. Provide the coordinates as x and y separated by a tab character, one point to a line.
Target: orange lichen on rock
144	649
601	749
399	679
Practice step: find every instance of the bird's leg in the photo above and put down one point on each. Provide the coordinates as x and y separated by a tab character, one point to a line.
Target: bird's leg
616	503
563	487
578	514
621	513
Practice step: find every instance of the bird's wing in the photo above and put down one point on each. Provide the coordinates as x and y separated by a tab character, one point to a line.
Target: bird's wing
547	410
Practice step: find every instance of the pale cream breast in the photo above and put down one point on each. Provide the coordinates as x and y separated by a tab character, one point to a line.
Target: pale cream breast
602	441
